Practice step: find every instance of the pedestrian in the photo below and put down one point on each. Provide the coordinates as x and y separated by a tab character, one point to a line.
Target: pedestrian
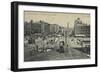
61	47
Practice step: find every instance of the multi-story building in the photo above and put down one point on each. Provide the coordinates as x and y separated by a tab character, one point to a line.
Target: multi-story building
35	28
42	27
81	29
54	28
81	32
45	27
27	28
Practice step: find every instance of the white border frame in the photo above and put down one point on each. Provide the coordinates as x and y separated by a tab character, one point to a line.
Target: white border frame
22	64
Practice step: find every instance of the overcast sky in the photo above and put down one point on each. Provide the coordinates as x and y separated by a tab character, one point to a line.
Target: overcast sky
56	18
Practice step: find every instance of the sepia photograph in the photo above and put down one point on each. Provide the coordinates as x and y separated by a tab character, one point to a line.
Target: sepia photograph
50	36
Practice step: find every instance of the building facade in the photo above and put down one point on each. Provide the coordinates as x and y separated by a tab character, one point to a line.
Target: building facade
81	29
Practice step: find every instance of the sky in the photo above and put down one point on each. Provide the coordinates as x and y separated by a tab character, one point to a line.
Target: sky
59	18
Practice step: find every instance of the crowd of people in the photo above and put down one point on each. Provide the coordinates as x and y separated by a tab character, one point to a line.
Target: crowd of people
45	43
